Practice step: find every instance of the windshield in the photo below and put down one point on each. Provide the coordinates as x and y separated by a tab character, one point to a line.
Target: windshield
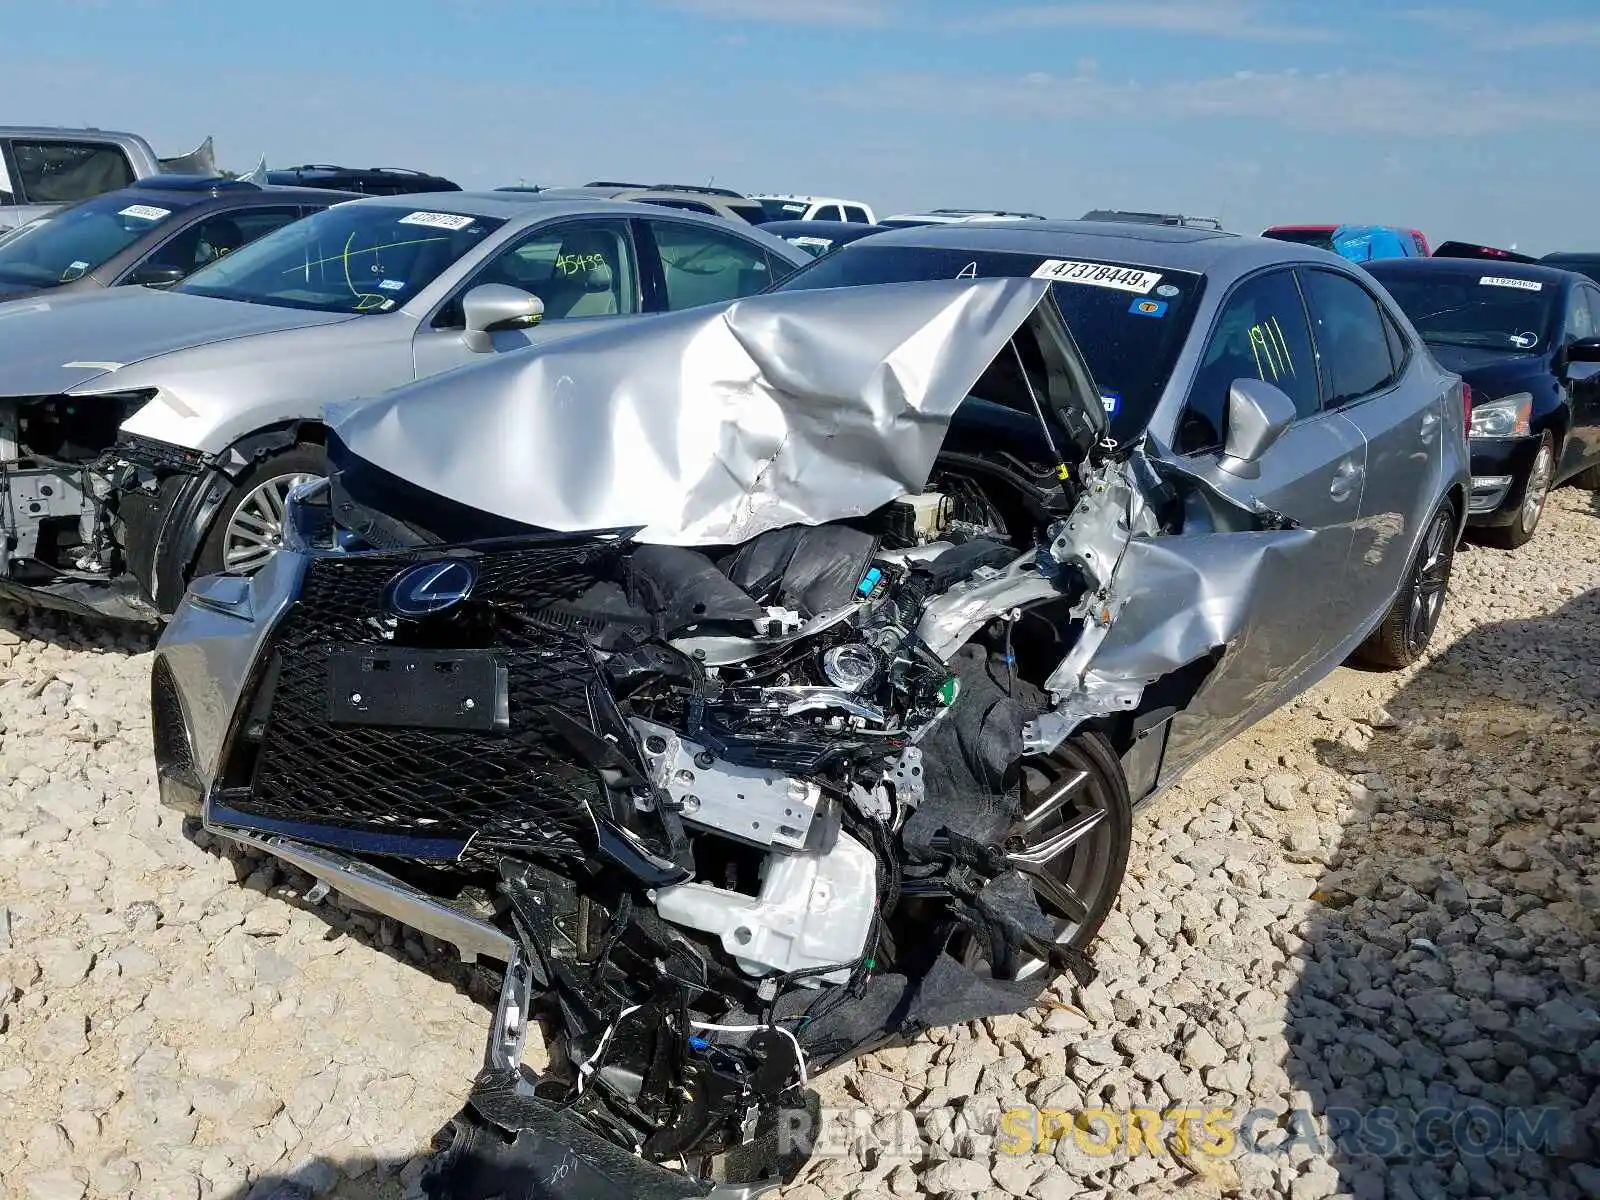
1129	338
1486	311
80	239
784	210
352	258
1322	239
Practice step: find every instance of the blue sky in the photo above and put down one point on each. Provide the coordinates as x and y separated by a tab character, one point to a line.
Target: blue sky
1473	121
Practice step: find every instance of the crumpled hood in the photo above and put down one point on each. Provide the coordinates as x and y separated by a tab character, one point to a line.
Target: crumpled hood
51	344
708	426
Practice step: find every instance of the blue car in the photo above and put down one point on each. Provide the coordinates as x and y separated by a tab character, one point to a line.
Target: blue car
1358	243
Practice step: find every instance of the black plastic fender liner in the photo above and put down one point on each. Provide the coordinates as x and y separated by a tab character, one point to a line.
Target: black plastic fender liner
508	1144
186	518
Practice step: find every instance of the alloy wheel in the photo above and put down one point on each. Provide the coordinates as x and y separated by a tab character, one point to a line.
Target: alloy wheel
1066	843
1429	581
1544	466
256	528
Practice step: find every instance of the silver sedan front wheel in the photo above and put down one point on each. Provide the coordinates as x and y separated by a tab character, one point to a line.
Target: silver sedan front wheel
256	528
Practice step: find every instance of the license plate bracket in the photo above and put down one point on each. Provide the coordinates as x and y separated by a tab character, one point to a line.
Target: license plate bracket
398	687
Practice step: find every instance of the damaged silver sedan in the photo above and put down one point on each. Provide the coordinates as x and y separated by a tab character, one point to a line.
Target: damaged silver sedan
762	685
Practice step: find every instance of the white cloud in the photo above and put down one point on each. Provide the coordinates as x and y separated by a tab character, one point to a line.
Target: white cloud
854	13
1400	105
1230	20
1483	31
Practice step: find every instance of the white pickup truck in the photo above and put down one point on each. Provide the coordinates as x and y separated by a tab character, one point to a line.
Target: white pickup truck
43	168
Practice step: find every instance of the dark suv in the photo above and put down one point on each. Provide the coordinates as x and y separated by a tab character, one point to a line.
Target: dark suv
369	181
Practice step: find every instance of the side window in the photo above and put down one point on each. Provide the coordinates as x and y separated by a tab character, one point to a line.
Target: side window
210	239
1352	346
856	215
1580	320
1399	344
1592	298
707	266
578	268
65	172
1260	334
1420	245
829	212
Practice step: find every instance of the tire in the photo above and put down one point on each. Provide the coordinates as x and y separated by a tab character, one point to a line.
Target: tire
1535	491
1077	886
259	494
1104	789
1408	626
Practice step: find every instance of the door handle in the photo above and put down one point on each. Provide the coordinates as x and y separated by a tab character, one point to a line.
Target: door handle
1345	480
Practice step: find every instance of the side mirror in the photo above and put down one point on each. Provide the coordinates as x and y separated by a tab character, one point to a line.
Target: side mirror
151	275
492	307
1258	415
1584	350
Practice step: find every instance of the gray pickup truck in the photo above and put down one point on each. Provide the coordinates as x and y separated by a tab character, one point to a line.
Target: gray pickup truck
43	168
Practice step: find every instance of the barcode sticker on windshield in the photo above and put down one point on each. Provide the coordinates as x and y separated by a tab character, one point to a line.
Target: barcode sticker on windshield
435	220
1527	285
145	212
1124	279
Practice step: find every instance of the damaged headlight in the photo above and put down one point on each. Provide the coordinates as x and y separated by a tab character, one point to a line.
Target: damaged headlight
1509	416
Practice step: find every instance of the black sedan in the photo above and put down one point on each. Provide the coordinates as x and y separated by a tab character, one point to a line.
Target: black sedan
1526	338
155	232
817	238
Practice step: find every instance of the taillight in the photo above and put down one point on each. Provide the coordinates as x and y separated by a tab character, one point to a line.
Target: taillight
1466	403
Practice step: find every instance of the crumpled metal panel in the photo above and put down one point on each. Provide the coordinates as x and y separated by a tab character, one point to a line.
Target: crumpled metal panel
708	426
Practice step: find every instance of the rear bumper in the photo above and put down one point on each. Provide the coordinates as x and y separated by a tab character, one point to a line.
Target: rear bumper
1500	468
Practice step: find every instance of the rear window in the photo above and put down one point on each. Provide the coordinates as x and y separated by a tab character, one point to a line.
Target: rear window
1128	326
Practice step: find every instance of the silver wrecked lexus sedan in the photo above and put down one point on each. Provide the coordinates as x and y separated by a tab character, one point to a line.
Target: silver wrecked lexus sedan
779	679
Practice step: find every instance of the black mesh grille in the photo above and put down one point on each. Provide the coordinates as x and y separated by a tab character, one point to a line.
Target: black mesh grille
523	786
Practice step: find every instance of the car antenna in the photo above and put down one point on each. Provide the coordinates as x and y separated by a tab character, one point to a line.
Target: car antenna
1062	471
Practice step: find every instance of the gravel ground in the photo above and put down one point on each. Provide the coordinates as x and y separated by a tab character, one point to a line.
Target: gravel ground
1381	900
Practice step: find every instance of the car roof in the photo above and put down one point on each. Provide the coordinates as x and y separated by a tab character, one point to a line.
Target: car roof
621	192
241	197
1586	256
1178	248
1464	268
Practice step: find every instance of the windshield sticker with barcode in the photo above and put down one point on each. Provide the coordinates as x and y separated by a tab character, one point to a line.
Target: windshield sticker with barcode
1124	279
1527	285
145	212
433	220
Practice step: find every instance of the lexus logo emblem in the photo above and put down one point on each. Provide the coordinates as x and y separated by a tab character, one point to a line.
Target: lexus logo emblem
430	588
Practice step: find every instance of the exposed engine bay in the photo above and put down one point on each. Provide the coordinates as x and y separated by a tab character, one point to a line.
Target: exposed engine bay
53	486
95	520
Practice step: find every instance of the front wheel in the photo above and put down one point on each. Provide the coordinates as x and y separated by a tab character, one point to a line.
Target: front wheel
1408	626
1535	490
249	526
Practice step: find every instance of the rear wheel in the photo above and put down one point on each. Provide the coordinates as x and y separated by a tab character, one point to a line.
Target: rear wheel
1408	626
1535	490
249	526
